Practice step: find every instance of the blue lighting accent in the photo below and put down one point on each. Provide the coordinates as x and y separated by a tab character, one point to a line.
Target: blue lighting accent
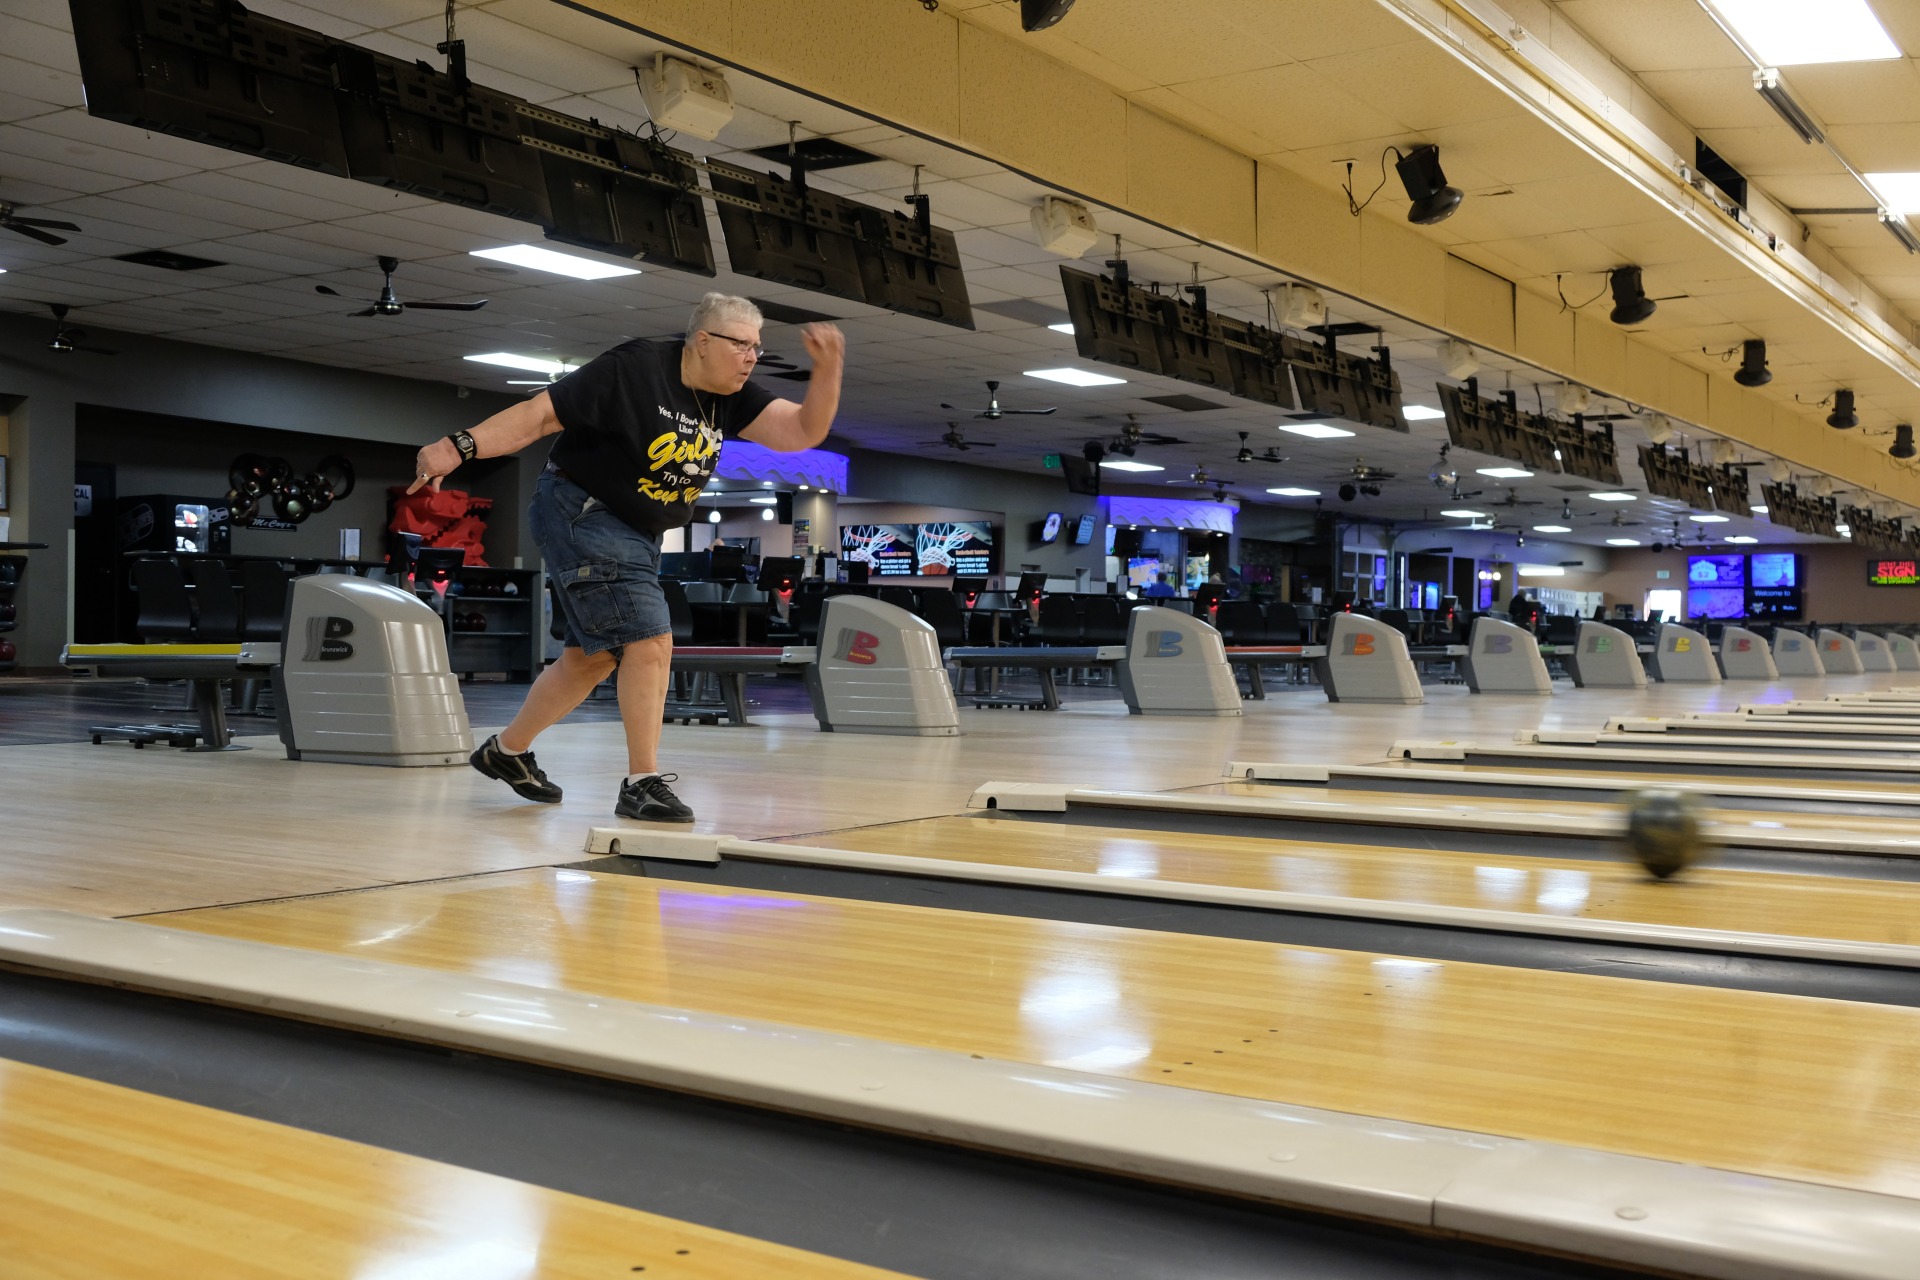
743	460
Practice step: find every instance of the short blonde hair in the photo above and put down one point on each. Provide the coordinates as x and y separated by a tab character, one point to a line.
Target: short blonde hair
722	308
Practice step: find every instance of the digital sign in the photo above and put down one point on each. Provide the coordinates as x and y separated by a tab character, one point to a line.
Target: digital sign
1716	586
887	549
963	548
1893	573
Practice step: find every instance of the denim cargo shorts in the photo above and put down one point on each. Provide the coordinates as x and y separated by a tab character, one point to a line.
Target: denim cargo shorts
605	573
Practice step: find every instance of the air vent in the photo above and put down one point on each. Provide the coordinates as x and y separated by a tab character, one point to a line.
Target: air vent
167	260
1185	404
817	153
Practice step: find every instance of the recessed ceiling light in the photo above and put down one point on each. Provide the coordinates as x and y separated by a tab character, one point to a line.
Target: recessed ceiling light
1790	33
1611	497
1503	473
1551	528
1742	538
1623	542
1315	430
1759	511
1900	191
1541	571
1295	493
532	364
1708	519
1464	515
763	502
1065	326
1420	413
1075	378
1128	464
559	264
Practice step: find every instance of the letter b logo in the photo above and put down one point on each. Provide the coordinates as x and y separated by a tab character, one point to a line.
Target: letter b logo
1497	644
1163	644
1359	645
857	647
1683	644
1743	645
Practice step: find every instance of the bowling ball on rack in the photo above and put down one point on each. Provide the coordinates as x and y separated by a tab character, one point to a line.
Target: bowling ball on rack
7	651
337	470
242	506
8	612
291	502
1665	833
319	493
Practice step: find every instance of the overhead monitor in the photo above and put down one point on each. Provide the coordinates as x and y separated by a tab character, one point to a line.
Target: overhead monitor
886	549
948	547
1047	530
1893	572
1083	530
1716	586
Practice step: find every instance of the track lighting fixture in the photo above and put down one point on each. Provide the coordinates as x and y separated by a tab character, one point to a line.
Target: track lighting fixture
1631	304
1433	200
1902	446
1753	371
1843	417
1896	223
1348	493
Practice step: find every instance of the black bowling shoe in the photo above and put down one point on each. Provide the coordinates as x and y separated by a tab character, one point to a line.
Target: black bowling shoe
652	800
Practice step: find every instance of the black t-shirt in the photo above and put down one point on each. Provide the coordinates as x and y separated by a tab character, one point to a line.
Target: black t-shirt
639	439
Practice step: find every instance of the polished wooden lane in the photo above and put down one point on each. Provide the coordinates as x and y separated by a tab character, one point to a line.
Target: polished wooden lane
1872	911
1516	812
1545	773
101	1181
1812	1090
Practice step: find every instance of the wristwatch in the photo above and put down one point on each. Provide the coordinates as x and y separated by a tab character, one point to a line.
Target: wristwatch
463	441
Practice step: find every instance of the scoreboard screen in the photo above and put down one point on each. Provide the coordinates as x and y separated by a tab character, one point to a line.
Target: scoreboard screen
1893	573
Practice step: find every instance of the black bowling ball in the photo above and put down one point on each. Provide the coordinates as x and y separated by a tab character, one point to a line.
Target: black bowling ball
319	493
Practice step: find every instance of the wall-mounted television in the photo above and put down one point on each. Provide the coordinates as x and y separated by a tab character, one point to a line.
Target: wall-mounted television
1047	530
1893	573
1717	586
1083	530
1081	476
955	548
1774	585
886	549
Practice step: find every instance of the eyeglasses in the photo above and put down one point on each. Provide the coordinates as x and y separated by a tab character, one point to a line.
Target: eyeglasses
741	345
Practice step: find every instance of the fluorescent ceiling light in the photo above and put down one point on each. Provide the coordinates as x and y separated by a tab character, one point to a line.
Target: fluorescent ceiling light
1759	511
1503	473
1128	464
1742	538
1541	571
1708	519
1065	326
1464	515
1295	493
1845	531
559	264
1551	528
763	502
1611	497
1076	378
1790	33
533	364
1900	191
1623	542
1421	413
1315	430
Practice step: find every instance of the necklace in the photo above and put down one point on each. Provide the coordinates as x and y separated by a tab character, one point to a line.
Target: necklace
706	417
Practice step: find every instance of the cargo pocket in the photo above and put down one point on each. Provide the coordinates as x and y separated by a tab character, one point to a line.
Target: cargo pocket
601	607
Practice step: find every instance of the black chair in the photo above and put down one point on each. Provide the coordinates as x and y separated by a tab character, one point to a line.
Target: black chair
900	598
1240	622
1397	619
263	599
1283	625
679	612
1059	622
1103	620
216	605
164	611
804	614
941	610
1560	629
752	604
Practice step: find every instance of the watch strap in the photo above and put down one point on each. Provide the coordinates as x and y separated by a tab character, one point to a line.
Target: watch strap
463	441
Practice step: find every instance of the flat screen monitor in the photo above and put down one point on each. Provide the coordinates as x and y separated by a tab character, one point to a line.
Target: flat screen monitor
1082	476
1143	571
857	572
886	549
682	564
1031	586
1199	569
1111	531
1083	530
971	586
1705	572
1047	530
1773	569
1893	573
778	573
434	566
1429	595
1716	602
947	547
726	564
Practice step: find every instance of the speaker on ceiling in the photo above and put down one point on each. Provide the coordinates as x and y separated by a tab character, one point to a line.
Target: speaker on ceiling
1038	15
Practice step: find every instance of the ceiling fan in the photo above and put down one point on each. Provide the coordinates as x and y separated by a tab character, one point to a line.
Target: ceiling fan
993	412
1513	499
32	228
1620	521
954	440
67	338
1360	472
1247	454
388	305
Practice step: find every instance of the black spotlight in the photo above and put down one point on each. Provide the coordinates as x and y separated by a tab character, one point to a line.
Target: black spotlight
1658	547
1038	15
1902	446
1843	417
1371	490
1093	451
1753	371
1433	200
1631	304
1348	493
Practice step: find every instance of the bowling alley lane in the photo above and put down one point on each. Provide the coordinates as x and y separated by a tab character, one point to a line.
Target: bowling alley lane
1813	1090
100	1180
1871	911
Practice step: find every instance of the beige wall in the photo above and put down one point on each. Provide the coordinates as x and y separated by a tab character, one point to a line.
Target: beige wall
1836	581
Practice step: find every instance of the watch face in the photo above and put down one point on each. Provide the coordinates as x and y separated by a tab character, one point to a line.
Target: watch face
1051	529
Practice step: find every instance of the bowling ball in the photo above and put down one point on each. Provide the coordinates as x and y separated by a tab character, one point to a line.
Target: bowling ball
242	506
7	612
290	502
1664	831
319	493
338	471
7	651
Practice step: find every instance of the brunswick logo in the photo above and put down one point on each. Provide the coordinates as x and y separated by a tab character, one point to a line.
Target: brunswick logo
1496	644
857	647
1163	644
1359	645
327	639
